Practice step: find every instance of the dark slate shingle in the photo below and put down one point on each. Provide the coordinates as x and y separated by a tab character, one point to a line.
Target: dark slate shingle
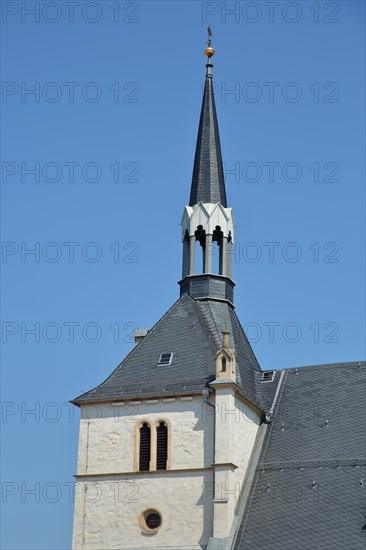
307	491
208	183
191	330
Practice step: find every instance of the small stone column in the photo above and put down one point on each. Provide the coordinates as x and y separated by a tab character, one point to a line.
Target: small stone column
185	265
223	258
192	246
207	266
229	259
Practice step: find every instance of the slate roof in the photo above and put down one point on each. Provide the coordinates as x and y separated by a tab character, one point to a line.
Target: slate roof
191	330
208	184
307	492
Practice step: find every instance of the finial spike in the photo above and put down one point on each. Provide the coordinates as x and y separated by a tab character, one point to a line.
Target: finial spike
209	51
209	32
225	338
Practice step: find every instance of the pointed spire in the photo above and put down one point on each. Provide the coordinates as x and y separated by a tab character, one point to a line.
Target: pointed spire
207	219
208	184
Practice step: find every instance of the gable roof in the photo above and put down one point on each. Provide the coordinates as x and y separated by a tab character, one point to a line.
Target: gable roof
191	330
306	491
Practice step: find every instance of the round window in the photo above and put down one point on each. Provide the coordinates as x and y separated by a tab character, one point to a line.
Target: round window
150	521
153	520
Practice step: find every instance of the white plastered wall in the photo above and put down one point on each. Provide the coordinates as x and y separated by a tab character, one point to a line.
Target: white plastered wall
236	429
107	507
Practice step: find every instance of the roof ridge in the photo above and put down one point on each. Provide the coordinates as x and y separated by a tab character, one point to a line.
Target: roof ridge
255	367
215	324
206	326
361	363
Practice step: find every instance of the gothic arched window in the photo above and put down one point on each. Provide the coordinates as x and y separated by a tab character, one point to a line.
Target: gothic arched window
145	447
161	446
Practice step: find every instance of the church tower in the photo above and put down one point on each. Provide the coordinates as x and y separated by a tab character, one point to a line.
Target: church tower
165	441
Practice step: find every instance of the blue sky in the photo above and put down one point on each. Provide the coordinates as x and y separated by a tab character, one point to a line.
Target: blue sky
109	132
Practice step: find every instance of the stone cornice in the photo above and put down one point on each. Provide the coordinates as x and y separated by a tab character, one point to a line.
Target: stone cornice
141	474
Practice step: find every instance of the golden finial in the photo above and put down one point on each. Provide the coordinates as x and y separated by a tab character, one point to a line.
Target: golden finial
209	52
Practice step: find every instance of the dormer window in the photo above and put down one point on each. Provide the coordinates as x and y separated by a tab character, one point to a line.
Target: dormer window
165	359
268	376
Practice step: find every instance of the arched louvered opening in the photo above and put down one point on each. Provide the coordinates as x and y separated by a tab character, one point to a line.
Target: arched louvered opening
145	447
161	446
